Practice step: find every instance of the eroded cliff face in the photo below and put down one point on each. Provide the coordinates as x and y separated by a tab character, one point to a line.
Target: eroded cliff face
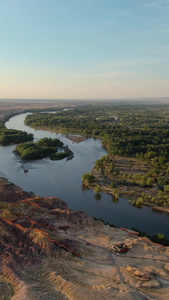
48	252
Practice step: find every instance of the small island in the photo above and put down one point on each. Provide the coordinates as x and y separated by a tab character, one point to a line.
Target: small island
45	147
12	136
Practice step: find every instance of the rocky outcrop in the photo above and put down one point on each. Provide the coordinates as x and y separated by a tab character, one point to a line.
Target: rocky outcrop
48	251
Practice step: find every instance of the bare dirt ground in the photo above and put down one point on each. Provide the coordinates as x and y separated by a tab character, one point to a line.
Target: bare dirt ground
76	138
48	251
7	108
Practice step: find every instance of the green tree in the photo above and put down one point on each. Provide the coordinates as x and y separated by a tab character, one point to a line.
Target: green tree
112	185
87	178
97	189
111	167
166	189
149	181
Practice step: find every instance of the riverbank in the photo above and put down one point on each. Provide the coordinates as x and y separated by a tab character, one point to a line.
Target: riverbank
124	179
18	107
51	178
121	183
135	132
50	251
75	137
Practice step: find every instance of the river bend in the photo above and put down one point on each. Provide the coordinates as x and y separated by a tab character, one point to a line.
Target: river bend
63	179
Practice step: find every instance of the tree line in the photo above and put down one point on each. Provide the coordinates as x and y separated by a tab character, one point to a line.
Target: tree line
12	136
133	130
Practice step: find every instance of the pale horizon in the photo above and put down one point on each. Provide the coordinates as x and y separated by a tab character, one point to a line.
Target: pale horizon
83	49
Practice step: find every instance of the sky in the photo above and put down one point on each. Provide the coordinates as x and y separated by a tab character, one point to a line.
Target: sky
84	49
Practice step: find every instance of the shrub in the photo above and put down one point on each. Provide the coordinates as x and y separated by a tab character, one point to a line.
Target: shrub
97	189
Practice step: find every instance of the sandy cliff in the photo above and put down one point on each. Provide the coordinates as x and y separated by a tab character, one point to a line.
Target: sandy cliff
48	252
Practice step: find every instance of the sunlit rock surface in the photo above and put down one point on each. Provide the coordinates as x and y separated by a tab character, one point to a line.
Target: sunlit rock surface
48	252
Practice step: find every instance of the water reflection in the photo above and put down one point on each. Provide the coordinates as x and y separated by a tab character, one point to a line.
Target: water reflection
63	179
97	196
115	199
139	206
84	187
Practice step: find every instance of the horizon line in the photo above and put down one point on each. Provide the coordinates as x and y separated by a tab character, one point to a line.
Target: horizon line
87	99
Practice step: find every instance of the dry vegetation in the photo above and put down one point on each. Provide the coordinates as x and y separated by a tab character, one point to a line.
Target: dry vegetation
8	108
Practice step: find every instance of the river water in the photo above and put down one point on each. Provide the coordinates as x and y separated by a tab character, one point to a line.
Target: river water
63	179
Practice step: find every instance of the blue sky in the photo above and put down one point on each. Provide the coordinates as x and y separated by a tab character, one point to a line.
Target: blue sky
84	49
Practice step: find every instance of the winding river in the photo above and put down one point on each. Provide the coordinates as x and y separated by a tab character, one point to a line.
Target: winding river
63	179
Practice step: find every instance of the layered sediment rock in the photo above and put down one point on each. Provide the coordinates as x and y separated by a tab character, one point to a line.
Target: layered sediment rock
48	251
